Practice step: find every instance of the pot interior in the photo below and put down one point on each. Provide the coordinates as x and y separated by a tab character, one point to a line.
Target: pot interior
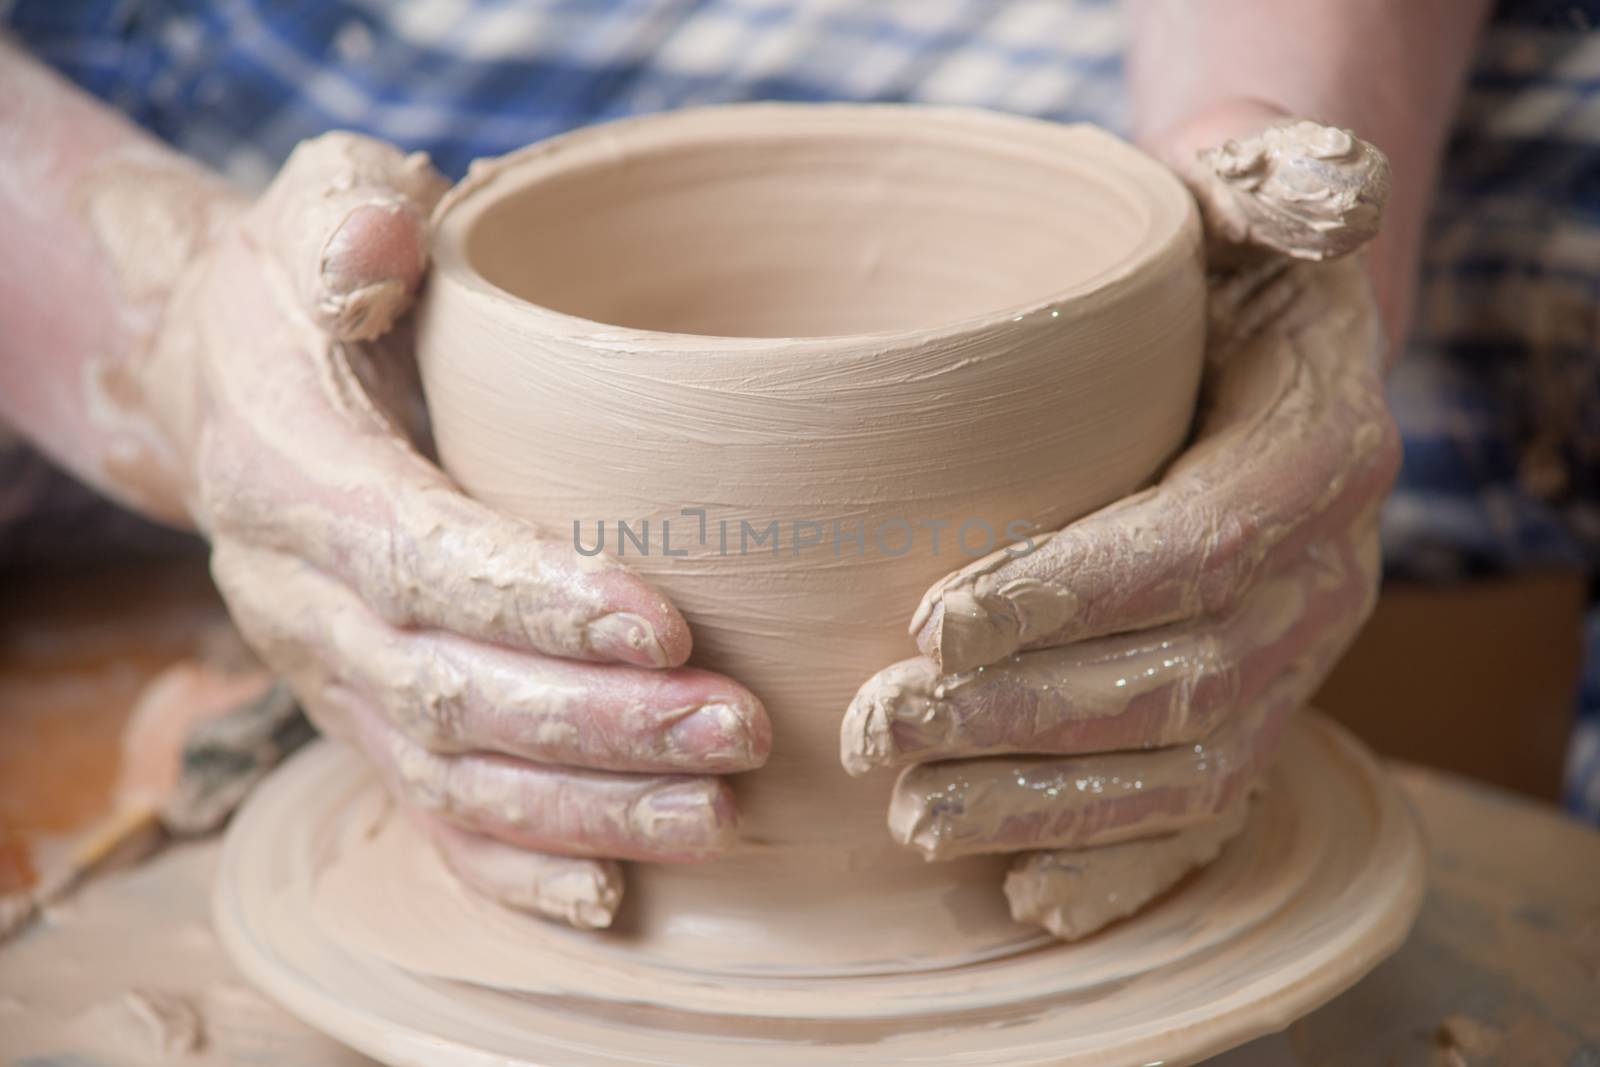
876	222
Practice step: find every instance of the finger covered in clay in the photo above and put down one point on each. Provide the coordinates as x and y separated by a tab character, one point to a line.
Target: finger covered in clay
1076	892
1293	444
346	220
1295	188
1146	689
451	695
305	463
967	807
584	893
556	810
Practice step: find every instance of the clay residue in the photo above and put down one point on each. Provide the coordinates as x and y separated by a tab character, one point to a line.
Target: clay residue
1294	355
150	216
310	224
154	1023
1300	189
584	893
1075	893
961	807
130	974
1170	686
1319	884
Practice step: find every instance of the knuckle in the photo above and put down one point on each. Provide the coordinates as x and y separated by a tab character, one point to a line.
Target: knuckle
415	546
430	707
420	778
1231	544
383	592
378	559
1209	686
449	561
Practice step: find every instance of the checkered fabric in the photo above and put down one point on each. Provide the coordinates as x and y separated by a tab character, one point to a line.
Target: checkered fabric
1498	398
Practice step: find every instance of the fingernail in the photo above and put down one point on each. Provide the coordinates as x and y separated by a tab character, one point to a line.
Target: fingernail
971	634
715	738
922	830
983	626
365	248
929	821
626	637
683	820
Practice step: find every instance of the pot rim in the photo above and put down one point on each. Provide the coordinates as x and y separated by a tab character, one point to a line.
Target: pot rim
1172	235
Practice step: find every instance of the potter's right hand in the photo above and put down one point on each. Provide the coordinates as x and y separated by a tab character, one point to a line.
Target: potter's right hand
529	705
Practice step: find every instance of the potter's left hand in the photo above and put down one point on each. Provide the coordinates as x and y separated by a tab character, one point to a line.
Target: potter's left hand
1103	706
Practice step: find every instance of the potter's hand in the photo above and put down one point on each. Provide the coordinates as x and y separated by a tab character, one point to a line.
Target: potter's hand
510	692
1104	704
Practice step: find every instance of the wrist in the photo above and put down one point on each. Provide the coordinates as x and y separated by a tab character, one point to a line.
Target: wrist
1391	73
152	217
104	220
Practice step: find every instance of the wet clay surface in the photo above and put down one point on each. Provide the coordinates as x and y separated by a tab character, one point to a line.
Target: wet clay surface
805	373
1503	967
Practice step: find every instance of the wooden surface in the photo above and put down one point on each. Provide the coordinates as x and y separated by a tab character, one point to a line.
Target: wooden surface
1504	966
1477	678
73	656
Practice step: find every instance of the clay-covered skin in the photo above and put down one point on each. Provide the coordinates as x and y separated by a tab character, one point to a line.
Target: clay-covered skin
1073	894
517	695
1298	188
532	698
209	364
501	682
1186	619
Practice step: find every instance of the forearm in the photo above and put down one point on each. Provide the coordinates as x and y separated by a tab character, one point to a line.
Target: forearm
97	220
1390	71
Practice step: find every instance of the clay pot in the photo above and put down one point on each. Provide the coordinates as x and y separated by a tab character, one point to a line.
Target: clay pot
853	322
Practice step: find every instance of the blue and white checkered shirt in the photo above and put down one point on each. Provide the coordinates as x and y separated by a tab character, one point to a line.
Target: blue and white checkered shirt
1498	398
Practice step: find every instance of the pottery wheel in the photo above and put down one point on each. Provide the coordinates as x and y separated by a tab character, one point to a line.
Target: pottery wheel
1322	884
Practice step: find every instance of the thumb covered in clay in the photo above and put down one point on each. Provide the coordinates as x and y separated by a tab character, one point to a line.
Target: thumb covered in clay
346	220
1267	182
